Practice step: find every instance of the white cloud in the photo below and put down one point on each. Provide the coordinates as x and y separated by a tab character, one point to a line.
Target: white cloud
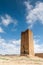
1	30
13	46
38	48
34	14
10	47
28	6
6	20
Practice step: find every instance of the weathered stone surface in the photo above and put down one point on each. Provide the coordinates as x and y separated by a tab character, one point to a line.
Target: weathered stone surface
27	45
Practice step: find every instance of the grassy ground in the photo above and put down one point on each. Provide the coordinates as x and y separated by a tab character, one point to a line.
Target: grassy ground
20	60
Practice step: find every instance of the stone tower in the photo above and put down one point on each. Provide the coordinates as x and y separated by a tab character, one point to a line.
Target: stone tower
27	46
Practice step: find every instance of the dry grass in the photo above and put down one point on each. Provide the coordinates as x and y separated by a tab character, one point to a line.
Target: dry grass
20	60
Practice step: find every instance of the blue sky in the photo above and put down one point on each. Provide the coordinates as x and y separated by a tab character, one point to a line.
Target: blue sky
17	16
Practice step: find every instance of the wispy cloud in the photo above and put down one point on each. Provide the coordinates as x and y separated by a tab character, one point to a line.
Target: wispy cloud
38	46
13	46
34	13
1	30
10	47
28	5
7	19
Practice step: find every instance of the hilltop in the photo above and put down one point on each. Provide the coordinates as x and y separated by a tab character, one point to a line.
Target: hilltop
20	60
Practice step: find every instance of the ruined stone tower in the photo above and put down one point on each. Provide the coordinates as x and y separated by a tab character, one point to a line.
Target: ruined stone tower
27	46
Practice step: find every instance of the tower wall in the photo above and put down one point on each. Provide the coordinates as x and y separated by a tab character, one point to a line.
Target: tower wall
31	43
27	46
